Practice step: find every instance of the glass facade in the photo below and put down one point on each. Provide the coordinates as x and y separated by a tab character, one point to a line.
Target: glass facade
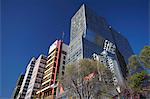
88	34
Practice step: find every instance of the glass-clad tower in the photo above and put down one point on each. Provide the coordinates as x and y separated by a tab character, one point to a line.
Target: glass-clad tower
89	32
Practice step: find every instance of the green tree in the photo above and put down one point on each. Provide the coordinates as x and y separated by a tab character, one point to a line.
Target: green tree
136	81
137	76
136	61
145	56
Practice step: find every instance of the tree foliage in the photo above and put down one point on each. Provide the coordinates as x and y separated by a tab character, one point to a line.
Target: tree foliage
136	81
134	62
145	56
137	67
87	79
143	59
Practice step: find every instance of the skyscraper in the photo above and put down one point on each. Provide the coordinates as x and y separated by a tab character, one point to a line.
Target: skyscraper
26	79
90	33
55	67
18	86
36	78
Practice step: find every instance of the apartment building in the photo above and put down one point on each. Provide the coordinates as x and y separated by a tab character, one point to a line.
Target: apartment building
55	67
26	79
36	78
18	86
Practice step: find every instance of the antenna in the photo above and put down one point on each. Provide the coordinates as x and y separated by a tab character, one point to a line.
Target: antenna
63	35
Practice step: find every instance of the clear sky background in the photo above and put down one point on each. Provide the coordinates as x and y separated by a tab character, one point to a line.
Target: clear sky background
30	26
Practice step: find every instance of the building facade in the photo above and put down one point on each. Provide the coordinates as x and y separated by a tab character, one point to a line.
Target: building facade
55	67
26	79
18	86
88	35
111	64
36	78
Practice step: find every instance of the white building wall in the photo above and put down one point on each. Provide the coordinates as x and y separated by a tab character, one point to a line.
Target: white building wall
53	46
36	78
26	80
63	57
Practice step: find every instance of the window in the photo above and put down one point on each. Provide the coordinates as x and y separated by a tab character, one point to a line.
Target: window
40	70
45	85
64	62
55	58
53	70
52	76
43	62
49	57
63	52
62	72
54	64
63	67
56	54
55	82
64	57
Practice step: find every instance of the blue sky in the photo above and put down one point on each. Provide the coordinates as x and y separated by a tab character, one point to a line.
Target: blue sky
30	26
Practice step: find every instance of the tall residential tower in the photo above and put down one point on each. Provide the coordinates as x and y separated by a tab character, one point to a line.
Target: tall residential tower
18	86
36	78
26	79
55	67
